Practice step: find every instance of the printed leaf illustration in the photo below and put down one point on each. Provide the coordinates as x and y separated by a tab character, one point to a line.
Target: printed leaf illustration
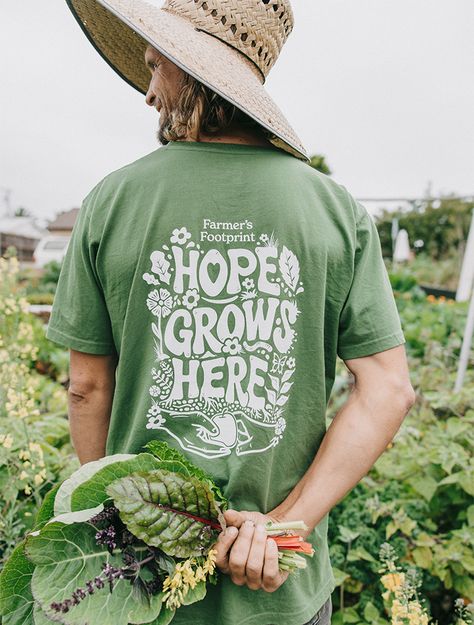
271	396
59	553
289	267
160	507
275	381
160	266
287	375
286	387
16	606
281	401
86	488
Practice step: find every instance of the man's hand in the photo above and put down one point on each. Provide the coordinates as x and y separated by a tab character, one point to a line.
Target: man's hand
246	554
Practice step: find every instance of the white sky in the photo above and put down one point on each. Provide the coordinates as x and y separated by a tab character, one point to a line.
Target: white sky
383	89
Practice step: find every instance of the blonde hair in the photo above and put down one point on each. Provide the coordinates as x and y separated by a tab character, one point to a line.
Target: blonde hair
200	110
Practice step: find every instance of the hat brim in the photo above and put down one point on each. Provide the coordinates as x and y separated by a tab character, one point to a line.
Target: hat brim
120	31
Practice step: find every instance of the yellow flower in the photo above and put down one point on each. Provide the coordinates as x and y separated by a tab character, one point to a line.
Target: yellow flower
23	475
38	479
7	441
393	581
36	448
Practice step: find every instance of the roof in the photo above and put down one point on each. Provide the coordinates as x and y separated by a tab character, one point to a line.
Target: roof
64	220
21	226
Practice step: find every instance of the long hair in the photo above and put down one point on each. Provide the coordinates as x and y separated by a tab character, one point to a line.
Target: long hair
200	110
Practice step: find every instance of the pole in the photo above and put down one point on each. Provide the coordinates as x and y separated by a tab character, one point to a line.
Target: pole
466	346
466	279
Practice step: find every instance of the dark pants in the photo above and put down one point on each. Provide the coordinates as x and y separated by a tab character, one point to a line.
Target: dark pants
323	616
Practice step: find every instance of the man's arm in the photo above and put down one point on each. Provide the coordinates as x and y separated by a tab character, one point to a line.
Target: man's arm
90	394
381	398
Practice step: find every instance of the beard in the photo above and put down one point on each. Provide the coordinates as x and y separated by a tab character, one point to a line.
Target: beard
164	127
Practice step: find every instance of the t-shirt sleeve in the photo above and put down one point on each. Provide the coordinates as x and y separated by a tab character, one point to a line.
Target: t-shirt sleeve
79	317
369	321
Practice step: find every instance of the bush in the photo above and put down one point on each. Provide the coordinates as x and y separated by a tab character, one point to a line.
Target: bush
419	495
442	229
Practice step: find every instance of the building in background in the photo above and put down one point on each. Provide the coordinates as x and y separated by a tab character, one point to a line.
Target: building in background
22	232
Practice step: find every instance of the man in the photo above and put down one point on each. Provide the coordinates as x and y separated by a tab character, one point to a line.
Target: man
207	291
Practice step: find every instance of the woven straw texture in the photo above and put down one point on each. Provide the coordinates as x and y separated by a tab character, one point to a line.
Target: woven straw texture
193	36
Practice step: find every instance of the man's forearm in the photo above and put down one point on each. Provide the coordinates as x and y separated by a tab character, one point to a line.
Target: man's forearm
89	417
358	435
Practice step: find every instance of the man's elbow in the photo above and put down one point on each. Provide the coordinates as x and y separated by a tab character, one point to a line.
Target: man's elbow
403	394
84	388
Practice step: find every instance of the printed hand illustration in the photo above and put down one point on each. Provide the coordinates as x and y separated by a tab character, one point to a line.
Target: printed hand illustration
246	554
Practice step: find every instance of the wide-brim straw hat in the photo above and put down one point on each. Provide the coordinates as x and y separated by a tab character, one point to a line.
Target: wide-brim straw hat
228	45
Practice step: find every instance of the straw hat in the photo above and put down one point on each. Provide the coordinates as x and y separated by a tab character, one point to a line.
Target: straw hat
229	45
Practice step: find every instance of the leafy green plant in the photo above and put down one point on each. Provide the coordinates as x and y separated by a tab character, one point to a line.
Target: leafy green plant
144	526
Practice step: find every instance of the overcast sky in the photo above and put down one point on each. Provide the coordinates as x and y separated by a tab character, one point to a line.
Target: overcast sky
383	89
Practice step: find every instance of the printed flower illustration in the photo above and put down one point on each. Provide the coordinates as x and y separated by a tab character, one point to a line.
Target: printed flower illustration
291	363
160	302
155	422
150	279
280	426
191	298
232	346
154	411
180	236
248	284
264	238
155	390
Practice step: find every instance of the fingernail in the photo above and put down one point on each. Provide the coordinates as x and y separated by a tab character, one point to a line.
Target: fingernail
231	530
259	528
249	523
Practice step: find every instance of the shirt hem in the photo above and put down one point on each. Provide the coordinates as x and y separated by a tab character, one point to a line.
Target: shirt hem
283	618
78	344
374	346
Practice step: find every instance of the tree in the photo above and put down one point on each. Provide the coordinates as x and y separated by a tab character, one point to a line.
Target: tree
318	161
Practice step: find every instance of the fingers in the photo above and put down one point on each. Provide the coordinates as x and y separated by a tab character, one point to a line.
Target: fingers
223	544
239	553
256	557
272	576
233	517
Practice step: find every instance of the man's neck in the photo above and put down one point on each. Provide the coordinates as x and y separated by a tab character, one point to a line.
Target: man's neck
239	136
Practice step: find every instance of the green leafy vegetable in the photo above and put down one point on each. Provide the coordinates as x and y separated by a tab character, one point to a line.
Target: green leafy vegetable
86	486
66	558
164	452
16	600
160	507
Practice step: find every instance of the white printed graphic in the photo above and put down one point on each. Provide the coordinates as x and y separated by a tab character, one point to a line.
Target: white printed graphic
222	324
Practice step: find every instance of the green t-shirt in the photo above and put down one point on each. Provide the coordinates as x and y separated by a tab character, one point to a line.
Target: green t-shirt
228	278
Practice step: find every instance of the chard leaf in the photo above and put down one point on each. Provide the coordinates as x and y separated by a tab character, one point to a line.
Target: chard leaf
86	486
66	556
16	599
166	453
158	507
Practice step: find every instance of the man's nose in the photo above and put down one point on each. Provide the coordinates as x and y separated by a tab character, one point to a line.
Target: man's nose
150	97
